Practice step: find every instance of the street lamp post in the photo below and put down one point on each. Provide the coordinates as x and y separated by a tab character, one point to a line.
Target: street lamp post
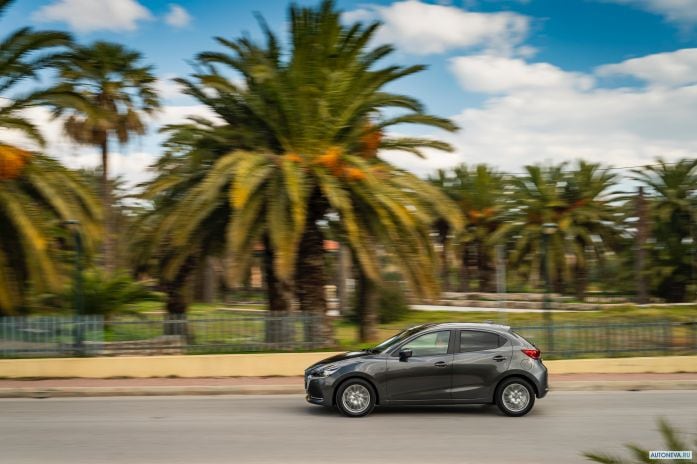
689	241
78	295
548	229
501	281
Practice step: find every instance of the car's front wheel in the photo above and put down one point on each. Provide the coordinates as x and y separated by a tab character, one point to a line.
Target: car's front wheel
355	398
515	397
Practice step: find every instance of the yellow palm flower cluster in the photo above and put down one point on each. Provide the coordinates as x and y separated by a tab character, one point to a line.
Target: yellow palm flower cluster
12	161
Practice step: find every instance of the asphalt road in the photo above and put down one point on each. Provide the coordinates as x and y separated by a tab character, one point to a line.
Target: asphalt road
284	429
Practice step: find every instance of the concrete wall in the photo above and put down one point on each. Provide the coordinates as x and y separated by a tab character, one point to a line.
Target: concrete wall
280	364
660	364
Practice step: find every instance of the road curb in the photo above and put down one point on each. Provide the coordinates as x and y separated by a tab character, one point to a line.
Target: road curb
64	392
67	392
624	385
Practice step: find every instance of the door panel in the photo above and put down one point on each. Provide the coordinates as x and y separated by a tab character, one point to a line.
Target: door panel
425	376
474	372
419	379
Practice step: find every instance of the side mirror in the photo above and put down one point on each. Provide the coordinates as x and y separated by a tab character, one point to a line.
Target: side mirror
405	354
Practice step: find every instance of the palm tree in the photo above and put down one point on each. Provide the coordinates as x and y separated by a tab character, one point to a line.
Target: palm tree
479	193
592	230
303	131
23	53
396	214
442	228
117	91
36	195
577	203
191	150
672	204
36	192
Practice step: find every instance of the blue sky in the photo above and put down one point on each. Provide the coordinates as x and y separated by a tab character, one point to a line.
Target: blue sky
614	81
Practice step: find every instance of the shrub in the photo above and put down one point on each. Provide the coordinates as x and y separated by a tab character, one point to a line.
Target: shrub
103	294
392	305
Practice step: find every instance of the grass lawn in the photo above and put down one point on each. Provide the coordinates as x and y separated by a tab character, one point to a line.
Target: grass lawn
346	332
218	328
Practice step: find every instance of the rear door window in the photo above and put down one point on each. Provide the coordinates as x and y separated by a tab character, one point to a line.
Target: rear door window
474	340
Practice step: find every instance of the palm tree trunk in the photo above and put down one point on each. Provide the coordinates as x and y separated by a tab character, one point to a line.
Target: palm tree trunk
443	229
581	282
486	270
464	272
558	279
674	287
310	275
207	281
642	294
343	274
108	245
367	308
177	291
280	300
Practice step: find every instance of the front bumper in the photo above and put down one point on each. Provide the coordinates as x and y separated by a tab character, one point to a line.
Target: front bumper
319	390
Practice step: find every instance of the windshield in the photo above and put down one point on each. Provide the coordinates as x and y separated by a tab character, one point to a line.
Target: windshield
396	339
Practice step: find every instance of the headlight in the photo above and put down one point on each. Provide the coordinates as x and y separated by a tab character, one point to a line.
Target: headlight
325	371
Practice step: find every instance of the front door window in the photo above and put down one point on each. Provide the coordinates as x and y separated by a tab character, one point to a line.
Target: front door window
430	344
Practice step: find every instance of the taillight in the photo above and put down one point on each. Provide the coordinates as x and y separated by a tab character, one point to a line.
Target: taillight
533	353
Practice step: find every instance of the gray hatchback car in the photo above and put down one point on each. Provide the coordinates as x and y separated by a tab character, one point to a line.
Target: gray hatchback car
451	363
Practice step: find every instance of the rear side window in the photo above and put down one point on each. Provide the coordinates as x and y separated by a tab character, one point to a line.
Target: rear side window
472	340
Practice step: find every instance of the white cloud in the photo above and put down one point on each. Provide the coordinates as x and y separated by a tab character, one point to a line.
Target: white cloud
423	28
93	15
495	74
51	129
671	68
621	127
177	16
167	88
174	114
131	166
677	11
130	162
525	123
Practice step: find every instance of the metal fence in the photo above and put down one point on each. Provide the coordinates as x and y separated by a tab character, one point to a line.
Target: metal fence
234	333
50	336
92	336
613	339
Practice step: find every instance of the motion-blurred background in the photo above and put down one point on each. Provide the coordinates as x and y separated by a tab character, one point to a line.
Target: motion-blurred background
299	186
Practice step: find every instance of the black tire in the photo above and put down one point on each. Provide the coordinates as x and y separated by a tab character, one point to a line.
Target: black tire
513	395
357	388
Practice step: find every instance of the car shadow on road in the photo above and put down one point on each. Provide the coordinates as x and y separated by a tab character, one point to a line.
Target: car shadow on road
470	409
386	411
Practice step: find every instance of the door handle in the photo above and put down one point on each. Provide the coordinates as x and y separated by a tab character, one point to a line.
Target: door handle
499	358
441	364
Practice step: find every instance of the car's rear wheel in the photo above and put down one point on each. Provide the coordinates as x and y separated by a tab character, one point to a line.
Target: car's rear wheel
355	398
515	397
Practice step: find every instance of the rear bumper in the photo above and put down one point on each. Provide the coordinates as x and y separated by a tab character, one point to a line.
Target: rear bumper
542	383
